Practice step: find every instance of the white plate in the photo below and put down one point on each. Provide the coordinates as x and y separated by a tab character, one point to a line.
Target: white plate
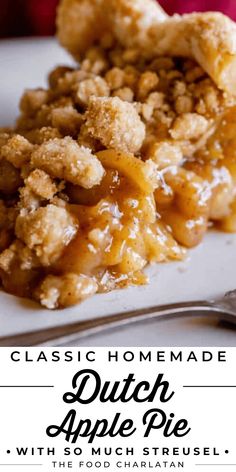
209	271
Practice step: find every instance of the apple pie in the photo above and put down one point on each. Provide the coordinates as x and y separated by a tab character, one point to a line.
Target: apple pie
124	160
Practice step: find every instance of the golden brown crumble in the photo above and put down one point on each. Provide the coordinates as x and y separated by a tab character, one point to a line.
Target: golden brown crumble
66	290
96	87
115	78
189	126
17	151
46	231
115	123
67	121
41	184
66	160
33	100
122	161
125	93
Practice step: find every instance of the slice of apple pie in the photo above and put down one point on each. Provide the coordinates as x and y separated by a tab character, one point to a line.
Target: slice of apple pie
124	160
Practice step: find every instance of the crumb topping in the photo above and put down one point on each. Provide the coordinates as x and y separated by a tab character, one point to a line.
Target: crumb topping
123	160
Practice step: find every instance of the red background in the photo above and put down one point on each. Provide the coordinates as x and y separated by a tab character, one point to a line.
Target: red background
37	17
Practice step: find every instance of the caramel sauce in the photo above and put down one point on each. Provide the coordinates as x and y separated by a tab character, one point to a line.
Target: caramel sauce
119	233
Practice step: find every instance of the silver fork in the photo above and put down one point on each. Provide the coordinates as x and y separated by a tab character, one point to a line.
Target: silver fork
223	309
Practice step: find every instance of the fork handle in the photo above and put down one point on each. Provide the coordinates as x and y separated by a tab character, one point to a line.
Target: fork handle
68	333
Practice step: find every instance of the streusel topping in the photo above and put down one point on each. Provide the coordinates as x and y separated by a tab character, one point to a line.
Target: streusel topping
125	160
